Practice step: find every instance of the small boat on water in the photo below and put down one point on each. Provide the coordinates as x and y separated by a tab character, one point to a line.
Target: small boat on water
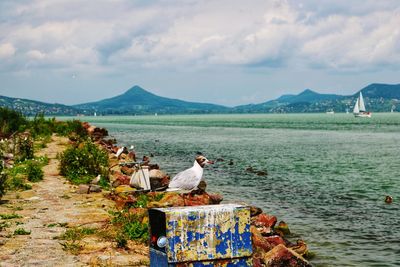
359	108
330	112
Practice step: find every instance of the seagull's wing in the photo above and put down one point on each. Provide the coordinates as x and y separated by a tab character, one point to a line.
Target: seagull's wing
186	179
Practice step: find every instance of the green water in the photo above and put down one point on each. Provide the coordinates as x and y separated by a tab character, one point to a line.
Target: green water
328	175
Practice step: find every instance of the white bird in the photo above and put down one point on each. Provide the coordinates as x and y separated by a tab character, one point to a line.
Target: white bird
96	180
189	179
120	150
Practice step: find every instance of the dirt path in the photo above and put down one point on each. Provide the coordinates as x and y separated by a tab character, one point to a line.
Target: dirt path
46	210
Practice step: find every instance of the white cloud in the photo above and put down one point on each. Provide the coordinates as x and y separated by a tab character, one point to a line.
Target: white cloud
162	34
35	54
7	50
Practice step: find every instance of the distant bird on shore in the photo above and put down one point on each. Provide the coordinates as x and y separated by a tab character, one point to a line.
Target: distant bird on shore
190	178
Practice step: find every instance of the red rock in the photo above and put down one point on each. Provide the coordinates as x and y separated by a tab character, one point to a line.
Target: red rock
215	198
300	247
257	260
123	201
83	189
254	211
201	199
259	242
282	256
120	179
264	223
282	228
275	240
196	200
169	200
127	171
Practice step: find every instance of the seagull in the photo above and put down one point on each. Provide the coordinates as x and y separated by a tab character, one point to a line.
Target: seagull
189	179
120	150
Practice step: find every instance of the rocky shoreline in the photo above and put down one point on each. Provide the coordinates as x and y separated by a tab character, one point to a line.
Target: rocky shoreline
271	246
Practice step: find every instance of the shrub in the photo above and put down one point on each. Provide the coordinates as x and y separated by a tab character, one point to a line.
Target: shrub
11	121
25	147
17	183
10	216
40	126
83	162
21	231
34	171
66	128
130	226
3	179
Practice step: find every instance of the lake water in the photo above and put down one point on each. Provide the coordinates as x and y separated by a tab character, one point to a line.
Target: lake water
328	175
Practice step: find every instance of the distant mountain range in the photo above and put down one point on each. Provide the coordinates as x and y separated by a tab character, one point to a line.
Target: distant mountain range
139	101
32	107
378	98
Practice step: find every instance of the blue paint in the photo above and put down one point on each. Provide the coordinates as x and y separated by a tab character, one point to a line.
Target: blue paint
190	236
203	227
223	246
172	242
192	217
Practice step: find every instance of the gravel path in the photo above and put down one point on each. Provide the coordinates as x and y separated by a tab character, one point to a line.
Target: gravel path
46	210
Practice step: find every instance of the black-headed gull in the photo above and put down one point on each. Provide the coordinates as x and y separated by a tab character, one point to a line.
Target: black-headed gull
189	179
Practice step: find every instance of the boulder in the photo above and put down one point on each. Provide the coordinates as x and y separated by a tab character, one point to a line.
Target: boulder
260	244
83	189
275	240
215	198
282	229
300	247
158	179
170	199
264	223
283	256
122	189
95	188
202	199
123	201
155	173
120	179
254	211
127	171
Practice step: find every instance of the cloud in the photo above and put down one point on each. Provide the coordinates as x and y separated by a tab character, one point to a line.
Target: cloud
7	50
337	35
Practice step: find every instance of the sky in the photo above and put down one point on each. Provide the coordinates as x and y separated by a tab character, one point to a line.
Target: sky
228	52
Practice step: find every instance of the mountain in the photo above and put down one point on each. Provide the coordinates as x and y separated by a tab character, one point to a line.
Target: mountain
378	90
378	98
310	97
139	101
31	107
302	102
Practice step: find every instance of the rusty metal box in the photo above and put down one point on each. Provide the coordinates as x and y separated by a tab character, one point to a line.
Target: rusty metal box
207	235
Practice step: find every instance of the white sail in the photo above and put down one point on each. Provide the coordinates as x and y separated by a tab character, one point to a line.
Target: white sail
356	109
361	105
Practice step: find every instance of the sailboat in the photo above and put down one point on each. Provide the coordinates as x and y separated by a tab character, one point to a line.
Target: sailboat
359	108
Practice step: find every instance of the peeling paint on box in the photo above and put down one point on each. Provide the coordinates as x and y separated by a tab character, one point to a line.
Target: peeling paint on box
204	233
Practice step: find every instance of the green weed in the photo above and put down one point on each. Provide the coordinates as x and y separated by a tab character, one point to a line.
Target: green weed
83	162
10	216
34	171
21	231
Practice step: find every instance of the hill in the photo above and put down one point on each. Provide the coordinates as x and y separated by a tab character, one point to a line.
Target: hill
136	100
31	107
378	98
139	101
